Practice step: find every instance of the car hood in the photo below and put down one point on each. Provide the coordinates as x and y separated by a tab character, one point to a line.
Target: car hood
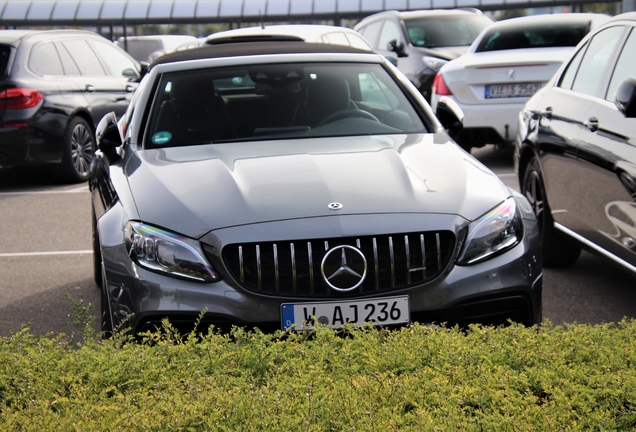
193	190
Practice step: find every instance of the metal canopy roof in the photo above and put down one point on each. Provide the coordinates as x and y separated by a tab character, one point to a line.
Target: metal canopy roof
109	12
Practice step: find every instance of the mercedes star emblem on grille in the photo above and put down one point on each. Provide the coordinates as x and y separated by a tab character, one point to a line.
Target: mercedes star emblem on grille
344	268
335	206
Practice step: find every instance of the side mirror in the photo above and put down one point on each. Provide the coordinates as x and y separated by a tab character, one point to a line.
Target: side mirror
625	98
396	47
450	115
130	73
108	137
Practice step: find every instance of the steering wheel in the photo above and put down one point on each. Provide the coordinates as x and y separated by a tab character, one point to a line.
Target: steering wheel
346	113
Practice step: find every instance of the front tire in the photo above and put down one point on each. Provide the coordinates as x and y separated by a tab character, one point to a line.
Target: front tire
556	248
79	151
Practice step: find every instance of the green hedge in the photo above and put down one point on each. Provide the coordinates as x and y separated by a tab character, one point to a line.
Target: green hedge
546	378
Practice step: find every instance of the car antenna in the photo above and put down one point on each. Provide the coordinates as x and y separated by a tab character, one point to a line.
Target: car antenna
260	17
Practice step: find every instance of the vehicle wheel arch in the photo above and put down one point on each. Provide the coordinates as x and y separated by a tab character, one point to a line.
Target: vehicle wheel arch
67	169
85	115
558	248
525	156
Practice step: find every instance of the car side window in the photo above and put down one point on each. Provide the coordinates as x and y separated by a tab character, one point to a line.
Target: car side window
84	57
336	38
357	42
625	66
568	77
371	32
118	63
5	52
44	60
595	60
390	32
70	68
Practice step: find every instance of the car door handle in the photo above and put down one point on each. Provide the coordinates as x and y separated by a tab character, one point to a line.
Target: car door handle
90	88
591	124
130	88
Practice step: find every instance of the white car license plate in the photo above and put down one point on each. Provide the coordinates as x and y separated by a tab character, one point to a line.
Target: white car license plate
511	90
378	311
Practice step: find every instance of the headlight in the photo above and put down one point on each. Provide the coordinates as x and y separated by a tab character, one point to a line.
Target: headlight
434	62
494	232
165	252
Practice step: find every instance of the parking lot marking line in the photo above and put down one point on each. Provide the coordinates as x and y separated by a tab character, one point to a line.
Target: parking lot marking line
70	191
25	254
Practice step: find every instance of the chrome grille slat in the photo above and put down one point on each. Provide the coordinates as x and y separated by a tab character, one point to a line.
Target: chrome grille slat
258	265
276	275
293	263
423	245
241	264
393	262
391	254
311	268
439	252
408	260
375	260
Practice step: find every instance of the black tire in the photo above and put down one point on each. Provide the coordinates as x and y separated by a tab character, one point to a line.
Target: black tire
79	151
557	249
97	253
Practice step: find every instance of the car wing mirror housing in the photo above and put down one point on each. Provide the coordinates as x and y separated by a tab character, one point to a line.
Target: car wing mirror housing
450	115
396	47
625	98
108	137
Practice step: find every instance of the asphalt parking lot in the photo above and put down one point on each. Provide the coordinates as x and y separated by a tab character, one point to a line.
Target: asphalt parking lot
45	255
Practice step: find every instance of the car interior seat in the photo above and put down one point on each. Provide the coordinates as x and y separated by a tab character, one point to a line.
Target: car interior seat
325	95
194	113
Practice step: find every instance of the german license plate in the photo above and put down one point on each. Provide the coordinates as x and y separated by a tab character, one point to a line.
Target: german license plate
378	311
511	90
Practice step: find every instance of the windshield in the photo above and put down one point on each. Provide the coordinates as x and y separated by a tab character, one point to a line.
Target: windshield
446	31
278	101
533	36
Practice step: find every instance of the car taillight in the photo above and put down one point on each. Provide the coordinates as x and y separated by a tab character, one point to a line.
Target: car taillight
20	98
439	86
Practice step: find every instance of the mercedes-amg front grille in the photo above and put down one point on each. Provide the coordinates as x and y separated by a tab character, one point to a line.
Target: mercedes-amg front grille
294	268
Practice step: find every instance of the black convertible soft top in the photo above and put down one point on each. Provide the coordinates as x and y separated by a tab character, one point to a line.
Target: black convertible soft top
253	48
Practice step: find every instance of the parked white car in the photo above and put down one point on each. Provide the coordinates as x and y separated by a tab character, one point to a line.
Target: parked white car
315	33
507	63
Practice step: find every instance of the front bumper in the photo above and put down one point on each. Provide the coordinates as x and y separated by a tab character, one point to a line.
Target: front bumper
507	286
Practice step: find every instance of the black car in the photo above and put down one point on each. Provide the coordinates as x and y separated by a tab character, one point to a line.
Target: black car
55	86
285	184
576	149
423	41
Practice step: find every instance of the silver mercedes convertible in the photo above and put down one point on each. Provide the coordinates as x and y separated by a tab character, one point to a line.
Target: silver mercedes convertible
286	185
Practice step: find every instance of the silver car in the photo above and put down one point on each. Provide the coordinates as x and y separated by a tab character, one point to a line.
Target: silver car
284	185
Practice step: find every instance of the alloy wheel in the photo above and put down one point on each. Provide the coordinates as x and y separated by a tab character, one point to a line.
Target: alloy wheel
81	149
